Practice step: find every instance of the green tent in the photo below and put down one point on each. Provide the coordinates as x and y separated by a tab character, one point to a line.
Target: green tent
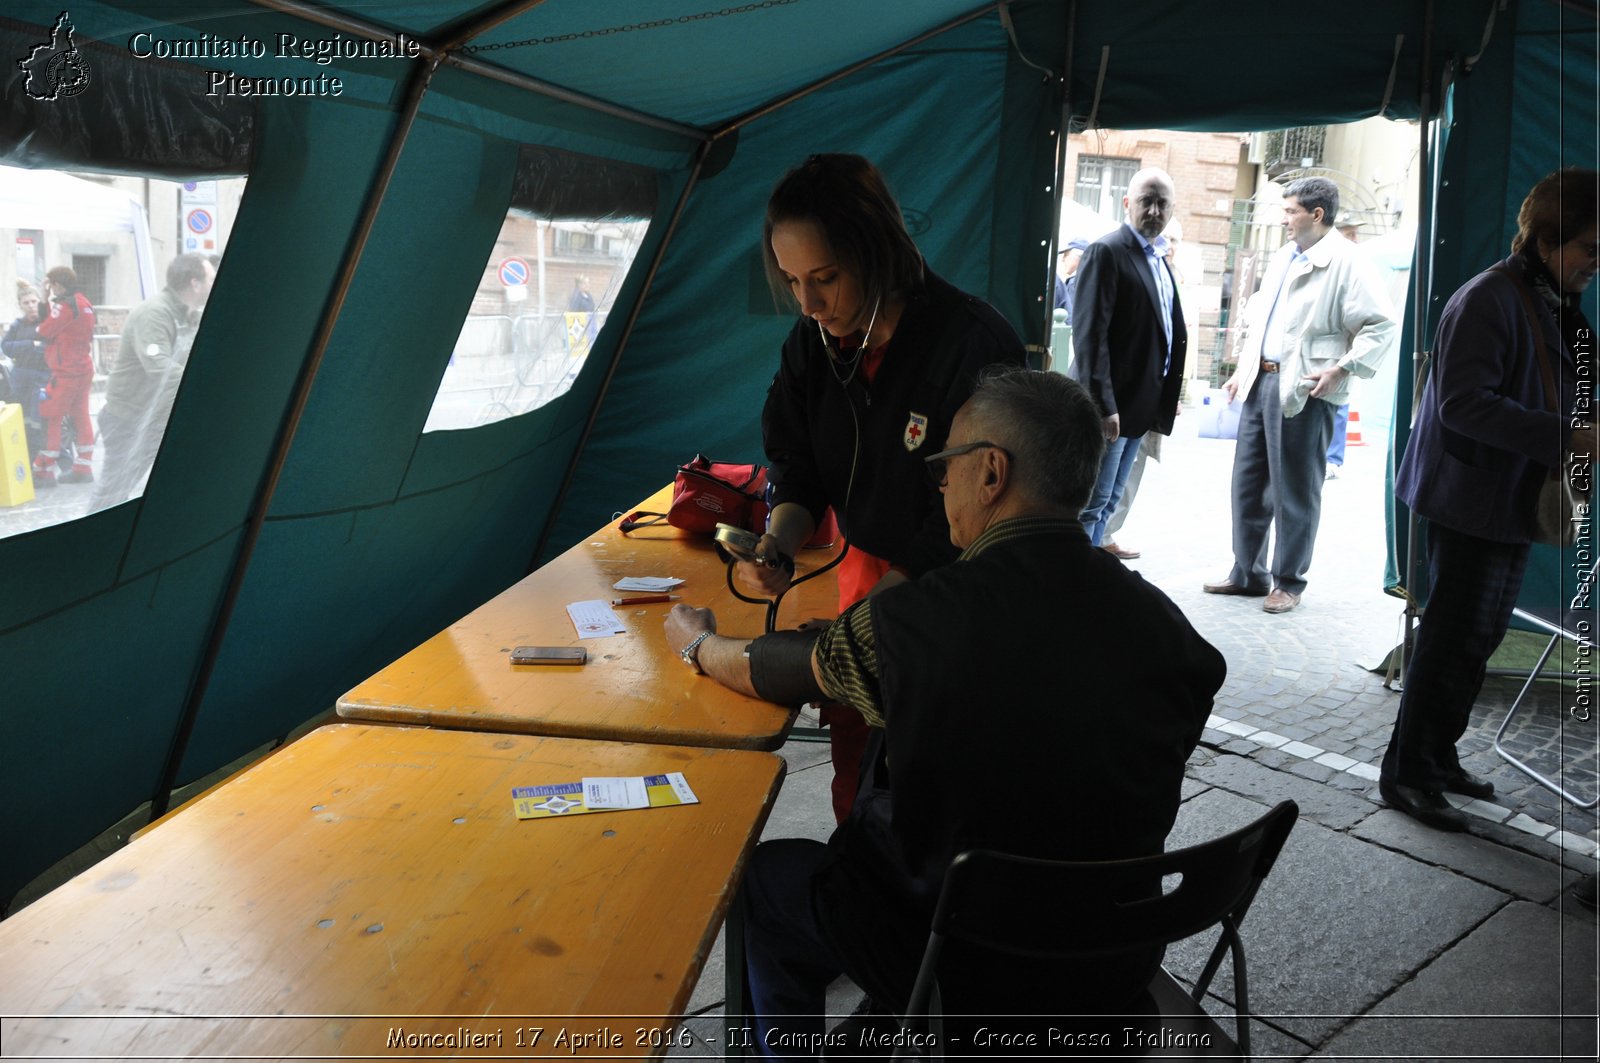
299	529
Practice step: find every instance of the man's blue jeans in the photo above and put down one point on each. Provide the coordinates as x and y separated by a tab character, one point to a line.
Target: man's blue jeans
1109	485
790	961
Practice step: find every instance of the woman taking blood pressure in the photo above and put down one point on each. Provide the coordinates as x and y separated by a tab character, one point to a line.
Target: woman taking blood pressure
870	377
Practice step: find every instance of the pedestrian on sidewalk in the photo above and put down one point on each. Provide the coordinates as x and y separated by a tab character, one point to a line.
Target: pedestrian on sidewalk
68	334
1128	338
143	383
1321	317
1487	435
29	374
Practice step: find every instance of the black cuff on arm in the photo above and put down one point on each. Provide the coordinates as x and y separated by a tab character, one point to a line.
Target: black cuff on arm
780	667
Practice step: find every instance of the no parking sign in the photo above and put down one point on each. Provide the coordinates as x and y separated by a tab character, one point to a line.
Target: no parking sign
199	221
514	272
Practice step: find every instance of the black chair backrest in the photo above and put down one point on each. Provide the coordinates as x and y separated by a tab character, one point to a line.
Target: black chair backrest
1085	908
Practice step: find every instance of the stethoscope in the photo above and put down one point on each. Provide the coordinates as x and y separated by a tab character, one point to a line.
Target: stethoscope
835	360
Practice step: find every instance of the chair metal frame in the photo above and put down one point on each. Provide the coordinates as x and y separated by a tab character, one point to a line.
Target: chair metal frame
1557	630
1099	907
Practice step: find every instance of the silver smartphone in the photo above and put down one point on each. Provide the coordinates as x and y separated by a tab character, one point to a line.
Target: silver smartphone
549	655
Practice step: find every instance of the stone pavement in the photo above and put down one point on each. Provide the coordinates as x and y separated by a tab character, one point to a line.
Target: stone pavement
1375	937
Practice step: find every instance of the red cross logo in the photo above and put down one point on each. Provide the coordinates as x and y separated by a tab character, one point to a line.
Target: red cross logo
916	428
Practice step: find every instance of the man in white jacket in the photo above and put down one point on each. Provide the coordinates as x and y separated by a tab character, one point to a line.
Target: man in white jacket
1321	315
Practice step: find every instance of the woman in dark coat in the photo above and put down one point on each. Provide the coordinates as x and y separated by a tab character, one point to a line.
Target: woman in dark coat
870	377
1487	436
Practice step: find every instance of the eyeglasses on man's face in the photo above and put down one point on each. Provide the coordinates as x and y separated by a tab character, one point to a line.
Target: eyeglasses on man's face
938	465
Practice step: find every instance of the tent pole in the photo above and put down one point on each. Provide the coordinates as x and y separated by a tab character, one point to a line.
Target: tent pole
1421	282
839	75
577	99
560	499
1062	128
421	78
449	53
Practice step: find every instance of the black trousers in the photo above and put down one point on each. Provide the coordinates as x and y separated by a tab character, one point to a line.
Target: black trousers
1474	588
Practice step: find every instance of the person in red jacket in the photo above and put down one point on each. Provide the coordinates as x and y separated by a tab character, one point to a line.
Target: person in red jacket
68	334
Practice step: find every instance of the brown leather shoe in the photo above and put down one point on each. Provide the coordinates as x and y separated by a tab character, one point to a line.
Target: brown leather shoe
1118	552
1227	586
1280	601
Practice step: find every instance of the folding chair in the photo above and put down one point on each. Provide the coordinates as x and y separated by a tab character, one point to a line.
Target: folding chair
1079	910
1562	622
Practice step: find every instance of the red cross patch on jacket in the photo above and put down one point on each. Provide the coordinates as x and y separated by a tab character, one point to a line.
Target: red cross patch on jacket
916	430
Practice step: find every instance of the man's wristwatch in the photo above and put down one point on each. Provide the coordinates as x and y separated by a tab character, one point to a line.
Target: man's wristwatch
691	652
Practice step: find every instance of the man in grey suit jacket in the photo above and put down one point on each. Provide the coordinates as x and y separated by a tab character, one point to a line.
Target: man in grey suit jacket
1128	337
1321	317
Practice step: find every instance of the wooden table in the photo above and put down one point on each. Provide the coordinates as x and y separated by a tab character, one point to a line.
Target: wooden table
633	689
368	891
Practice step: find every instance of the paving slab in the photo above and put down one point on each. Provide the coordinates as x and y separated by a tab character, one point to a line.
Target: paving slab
1267	1042
1521	986
1318	802
698	1037
1511	870
804	808
1326	938
803	753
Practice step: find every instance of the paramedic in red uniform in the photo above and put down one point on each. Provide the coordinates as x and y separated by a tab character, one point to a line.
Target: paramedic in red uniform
869	380
68	334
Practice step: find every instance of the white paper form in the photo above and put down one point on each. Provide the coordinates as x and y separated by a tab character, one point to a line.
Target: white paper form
594	619
615	792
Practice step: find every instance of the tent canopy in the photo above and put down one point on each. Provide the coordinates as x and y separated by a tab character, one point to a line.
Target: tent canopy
299	530
56	202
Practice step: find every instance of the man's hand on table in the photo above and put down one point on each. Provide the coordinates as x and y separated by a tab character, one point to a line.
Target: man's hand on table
684	622
722	659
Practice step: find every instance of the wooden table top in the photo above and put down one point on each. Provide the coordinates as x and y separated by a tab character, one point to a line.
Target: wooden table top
372	879
633	687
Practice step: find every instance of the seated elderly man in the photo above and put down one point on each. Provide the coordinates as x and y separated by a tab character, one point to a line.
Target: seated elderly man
1035	697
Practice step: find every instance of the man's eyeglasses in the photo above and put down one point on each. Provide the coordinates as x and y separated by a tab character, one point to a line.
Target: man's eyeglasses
938	464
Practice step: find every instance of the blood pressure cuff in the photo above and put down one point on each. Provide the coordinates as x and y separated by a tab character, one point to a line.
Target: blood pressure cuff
780	667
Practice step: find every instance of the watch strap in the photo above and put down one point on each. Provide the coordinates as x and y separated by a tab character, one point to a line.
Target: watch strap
691	652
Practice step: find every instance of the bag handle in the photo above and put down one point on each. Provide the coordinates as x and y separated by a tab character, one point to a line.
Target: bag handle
632	521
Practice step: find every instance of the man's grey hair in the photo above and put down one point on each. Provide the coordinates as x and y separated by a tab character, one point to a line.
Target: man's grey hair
1049	425
189	266
1314	192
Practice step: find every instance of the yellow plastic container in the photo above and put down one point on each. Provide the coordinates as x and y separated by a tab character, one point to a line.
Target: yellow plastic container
16	486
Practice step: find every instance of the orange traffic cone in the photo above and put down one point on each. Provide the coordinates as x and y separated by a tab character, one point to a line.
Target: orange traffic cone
1352	435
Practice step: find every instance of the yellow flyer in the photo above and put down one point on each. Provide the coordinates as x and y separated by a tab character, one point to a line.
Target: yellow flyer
602	794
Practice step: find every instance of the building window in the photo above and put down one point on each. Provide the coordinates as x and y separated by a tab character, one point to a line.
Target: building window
91	271
1102	182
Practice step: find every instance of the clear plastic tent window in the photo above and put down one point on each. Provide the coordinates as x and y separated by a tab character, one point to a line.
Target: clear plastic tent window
543	297
94	340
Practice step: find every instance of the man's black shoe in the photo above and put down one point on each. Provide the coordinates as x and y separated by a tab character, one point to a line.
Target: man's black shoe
1424	806
1467	784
